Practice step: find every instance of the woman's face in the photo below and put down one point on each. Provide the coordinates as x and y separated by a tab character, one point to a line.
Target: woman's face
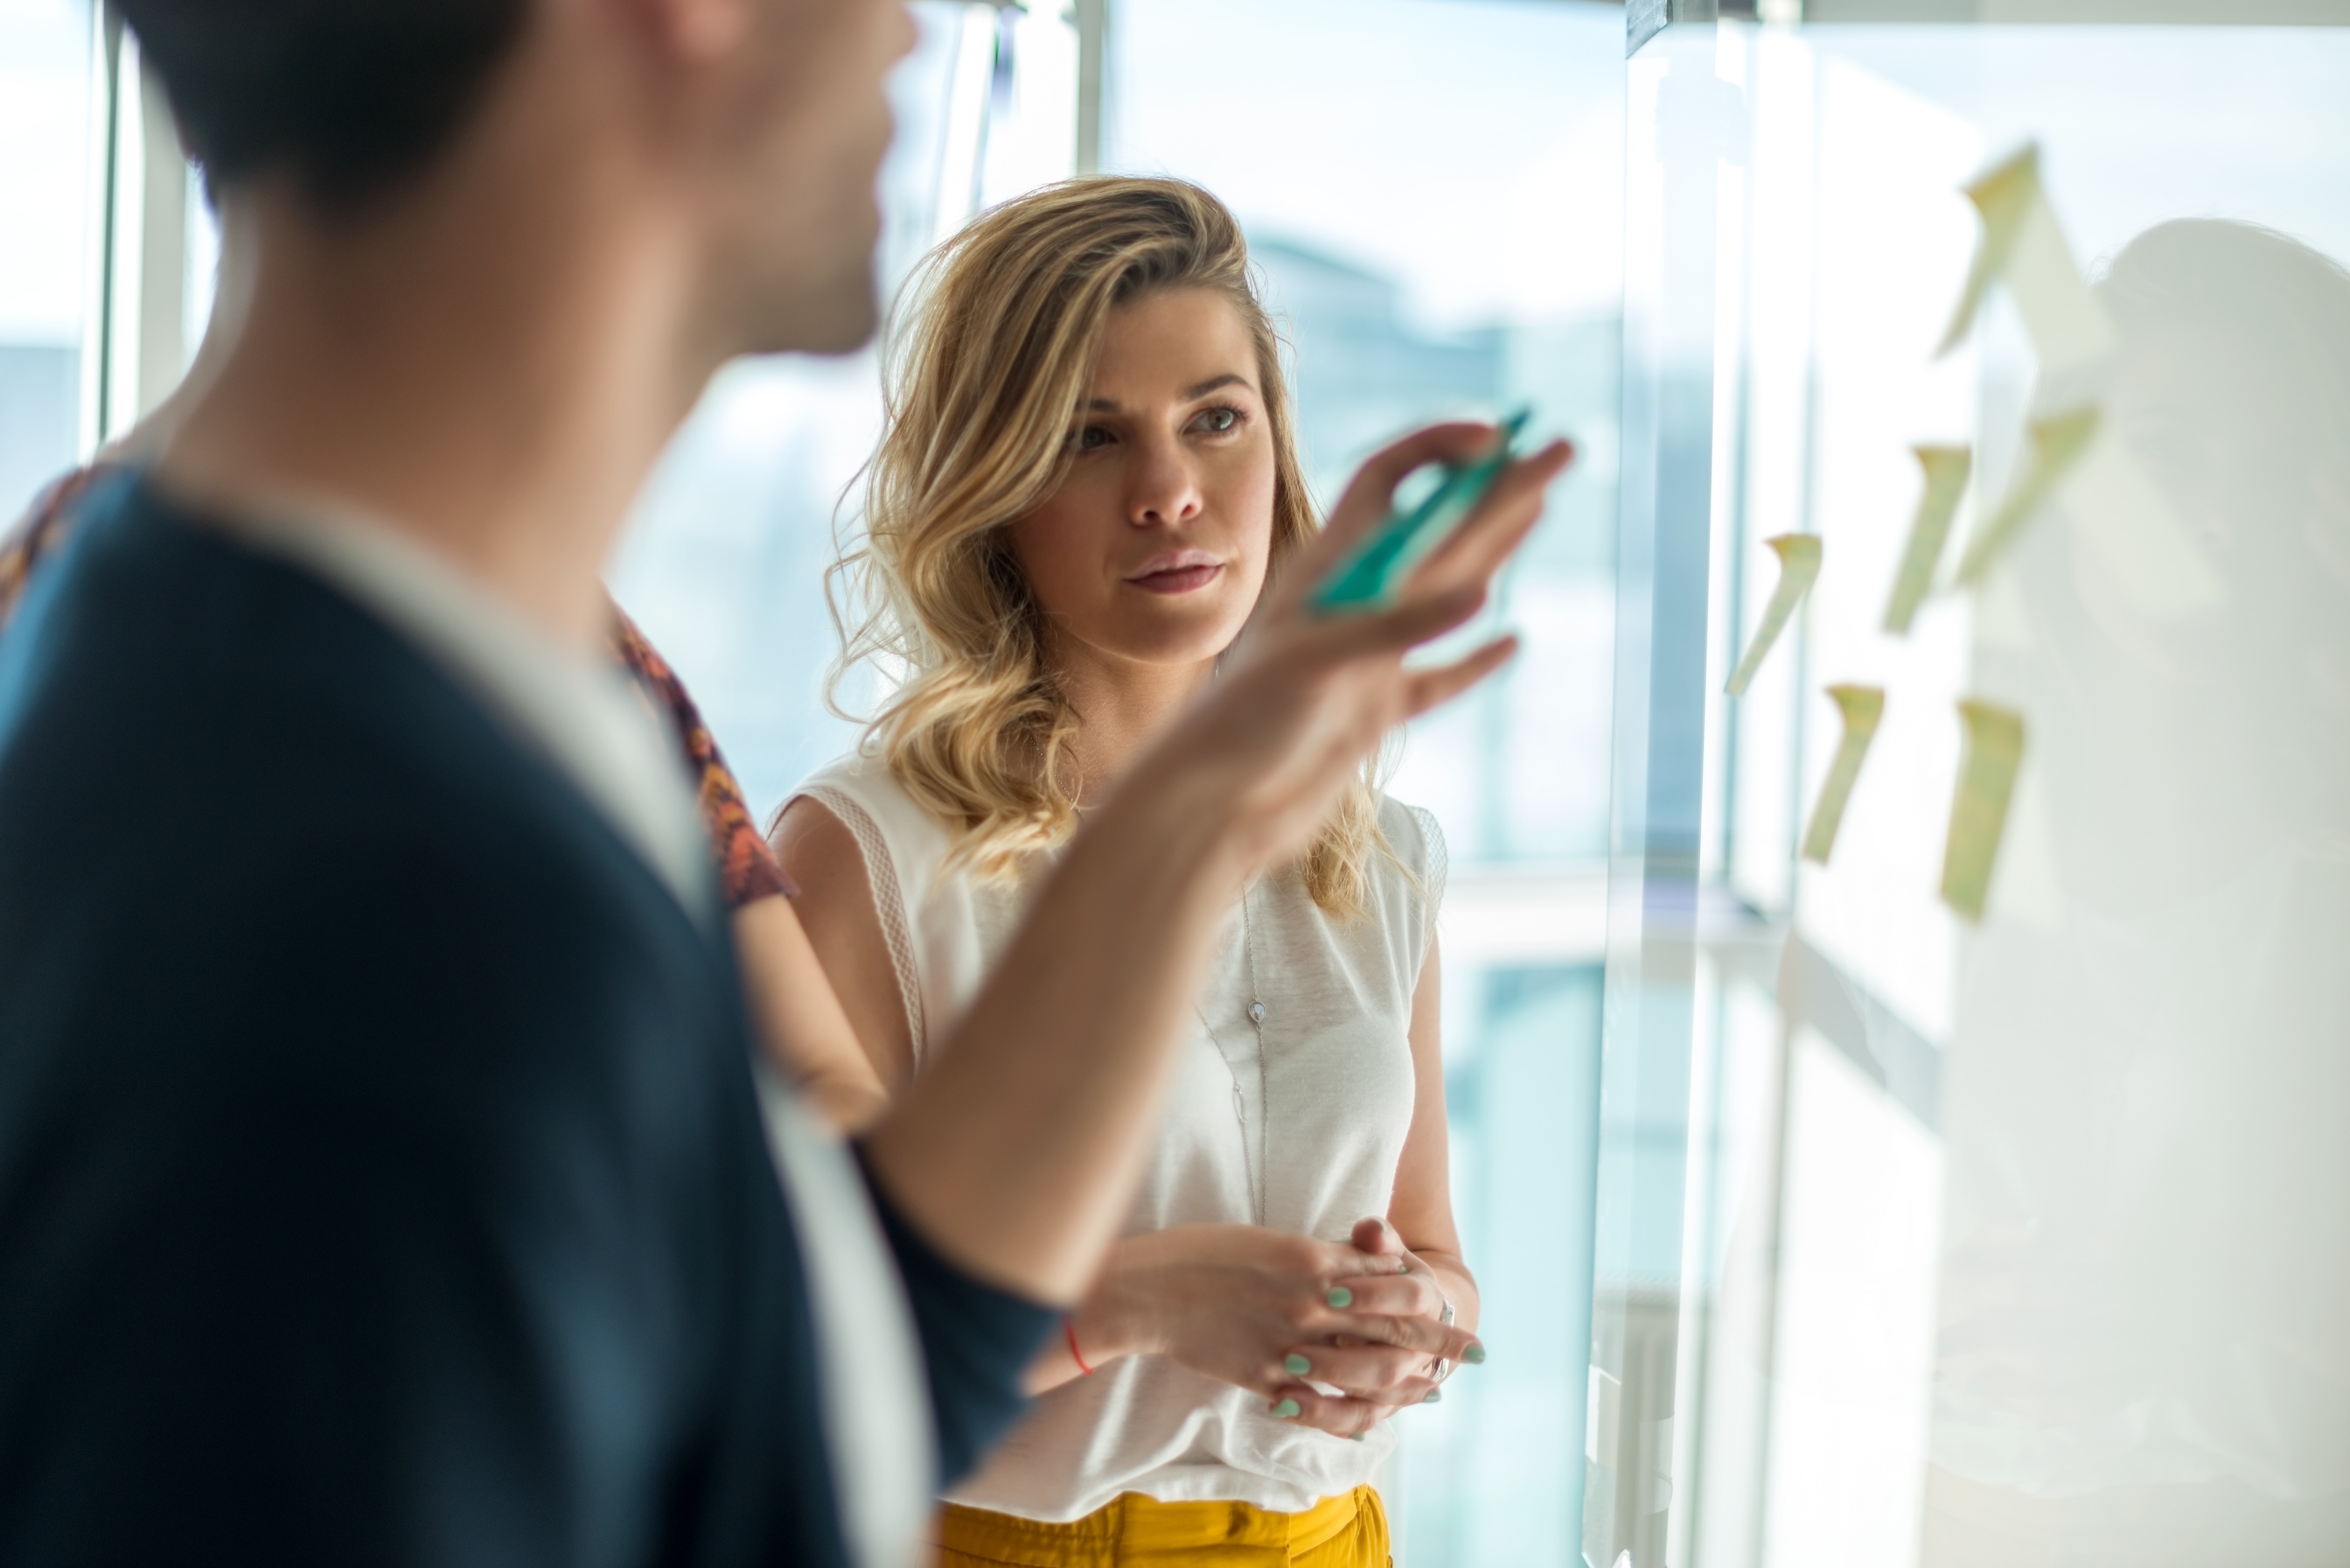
1154	547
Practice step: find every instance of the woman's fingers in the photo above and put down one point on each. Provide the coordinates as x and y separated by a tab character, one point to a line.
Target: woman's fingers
1339	1260
1391	1295
1336	1413
1382	1374
1379	1239
1415	1334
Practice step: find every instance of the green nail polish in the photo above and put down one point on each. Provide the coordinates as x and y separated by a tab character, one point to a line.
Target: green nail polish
1474	1355
1286	1411
1356	1435
1340	1296
1435	1396
1296	1365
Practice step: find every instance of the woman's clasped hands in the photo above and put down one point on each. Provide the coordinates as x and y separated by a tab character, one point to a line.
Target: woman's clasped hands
1334	1336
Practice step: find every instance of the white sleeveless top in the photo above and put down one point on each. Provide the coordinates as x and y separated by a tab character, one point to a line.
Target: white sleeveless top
1302	1136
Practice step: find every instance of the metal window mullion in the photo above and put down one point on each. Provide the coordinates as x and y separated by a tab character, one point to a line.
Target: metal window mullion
1093	59
98	314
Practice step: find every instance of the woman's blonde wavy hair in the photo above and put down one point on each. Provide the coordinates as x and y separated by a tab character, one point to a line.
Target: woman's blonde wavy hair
982	376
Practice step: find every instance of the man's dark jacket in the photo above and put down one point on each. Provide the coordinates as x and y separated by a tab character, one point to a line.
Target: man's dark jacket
382	1178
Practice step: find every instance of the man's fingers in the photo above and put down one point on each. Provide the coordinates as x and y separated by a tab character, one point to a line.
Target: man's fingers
1452	584
1438	590
1416	620
1426	689
1510	508
1369	497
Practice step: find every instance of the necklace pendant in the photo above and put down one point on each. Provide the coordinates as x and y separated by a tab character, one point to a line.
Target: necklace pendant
1256	1012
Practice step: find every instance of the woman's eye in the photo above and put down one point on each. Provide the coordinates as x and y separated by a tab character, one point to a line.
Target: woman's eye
1218	422
1091	438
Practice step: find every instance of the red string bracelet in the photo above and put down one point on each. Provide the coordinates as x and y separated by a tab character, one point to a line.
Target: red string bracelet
1069	1327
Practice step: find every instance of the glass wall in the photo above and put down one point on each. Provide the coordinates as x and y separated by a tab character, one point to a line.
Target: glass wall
51	215
1432	192
1431	189
724	564
1971	1185
1461	258
109	248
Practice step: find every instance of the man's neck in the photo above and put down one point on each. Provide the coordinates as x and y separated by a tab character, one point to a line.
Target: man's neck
486	367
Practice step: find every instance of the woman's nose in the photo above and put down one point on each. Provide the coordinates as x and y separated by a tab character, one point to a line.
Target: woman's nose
1162	490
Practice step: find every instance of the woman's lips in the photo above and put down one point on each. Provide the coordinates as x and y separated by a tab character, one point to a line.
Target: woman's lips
1176	579
1182	572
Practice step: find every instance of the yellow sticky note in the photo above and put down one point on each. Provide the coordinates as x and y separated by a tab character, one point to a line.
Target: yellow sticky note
1862	707
2024	247
1993	751
2056	446
1799	568
1947	469
2002	199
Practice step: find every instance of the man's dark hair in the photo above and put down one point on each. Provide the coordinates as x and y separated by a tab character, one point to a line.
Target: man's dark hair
348	98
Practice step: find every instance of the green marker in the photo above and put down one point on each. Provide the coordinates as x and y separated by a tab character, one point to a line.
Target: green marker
1373	574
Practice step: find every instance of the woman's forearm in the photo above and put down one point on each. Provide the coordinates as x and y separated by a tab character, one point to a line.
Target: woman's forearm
801	1030
1111	1323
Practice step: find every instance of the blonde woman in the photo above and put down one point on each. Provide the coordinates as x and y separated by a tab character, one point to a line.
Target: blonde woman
1087	474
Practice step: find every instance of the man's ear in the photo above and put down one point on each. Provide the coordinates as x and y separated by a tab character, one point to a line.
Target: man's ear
695	30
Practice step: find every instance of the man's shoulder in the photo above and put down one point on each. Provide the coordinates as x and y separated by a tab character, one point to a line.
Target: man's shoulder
172	673
207	752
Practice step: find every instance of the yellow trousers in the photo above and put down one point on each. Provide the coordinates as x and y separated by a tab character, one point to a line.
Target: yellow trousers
1134	1532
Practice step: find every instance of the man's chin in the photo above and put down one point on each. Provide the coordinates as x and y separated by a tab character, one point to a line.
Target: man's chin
837	321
